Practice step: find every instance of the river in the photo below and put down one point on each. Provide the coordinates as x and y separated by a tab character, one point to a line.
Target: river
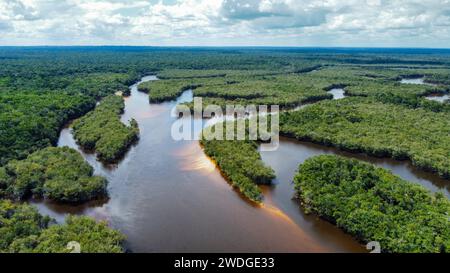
167	196
439	97
338	93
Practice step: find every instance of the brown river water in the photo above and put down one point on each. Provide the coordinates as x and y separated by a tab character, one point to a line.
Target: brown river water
167	196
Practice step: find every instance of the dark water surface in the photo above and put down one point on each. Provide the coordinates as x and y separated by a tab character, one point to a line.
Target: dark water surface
167	196
291	153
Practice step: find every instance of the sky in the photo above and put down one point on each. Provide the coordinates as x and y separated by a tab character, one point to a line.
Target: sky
325	23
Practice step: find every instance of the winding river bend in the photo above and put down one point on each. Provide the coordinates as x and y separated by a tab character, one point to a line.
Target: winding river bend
434	97
167	196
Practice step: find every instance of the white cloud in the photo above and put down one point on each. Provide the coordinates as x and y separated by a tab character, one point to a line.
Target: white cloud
217	22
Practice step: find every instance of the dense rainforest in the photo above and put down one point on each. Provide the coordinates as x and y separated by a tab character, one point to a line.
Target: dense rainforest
374	205
73	77
239	161
287	91
102	131
43	88
24	230
30	121
290	89
379	129
58	174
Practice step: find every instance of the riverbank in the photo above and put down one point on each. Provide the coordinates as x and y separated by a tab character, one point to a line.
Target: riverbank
165	188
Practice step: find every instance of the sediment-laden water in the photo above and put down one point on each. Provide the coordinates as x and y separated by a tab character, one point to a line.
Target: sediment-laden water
167	196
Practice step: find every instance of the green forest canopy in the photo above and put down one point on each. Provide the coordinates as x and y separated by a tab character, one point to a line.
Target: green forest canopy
31	121
101	130
63	83
58	174
239	161
374	205
41	89
379	129
24	230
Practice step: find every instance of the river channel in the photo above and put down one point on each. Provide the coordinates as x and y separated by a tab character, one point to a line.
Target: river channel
167	196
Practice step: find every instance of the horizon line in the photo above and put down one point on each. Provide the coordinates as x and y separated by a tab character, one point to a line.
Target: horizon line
235	46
